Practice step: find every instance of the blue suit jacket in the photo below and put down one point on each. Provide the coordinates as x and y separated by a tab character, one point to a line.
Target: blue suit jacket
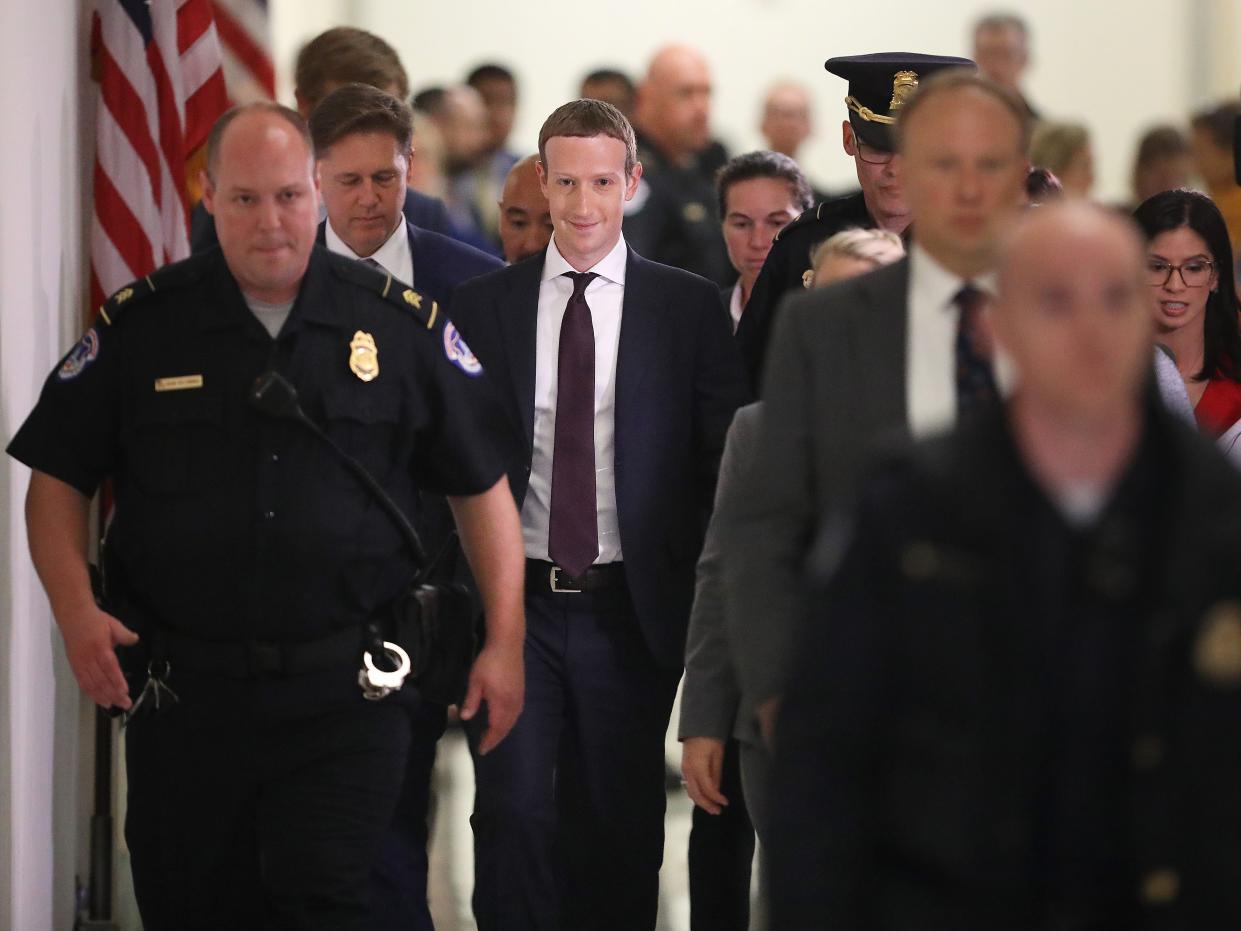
428	213
440	263
679	379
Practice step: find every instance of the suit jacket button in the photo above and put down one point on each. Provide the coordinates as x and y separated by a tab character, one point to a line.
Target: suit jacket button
1147	752
1160	887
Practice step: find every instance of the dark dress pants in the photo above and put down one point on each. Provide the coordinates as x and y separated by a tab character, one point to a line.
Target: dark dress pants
261	803
399	879
721	853
569	812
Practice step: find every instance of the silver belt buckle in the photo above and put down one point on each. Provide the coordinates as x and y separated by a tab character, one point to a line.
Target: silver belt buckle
555	583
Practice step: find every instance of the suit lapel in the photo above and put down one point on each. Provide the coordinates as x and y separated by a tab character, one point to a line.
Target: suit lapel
639	332
517	314
427	278
881	341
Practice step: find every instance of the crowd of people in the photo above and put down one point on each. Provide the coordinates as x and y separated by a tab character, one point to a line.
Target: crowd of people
928	492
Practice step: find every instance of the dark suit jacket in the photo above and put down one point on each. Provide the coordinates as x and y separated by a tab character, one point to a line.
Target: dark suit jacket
996	721
425	212
835	384
440	263
678	382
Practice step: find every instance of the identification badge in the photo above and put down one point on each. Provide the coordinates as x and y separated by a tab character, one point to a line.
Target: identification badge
179	383
363	356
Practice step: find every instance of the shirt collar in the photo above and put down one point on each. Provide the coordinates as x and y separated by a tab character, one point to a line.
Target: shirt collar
937	286
611	266
388	255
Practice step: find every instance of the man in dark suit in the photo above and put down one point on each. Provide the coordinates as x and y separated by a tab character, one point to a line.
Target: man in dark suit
1017	701
362	146
621	381
896	351
361	139
343	55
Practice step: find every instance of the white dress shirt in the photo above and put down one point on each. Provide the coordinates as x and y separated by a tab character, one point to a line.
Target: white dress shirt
394	255
930	347
605	296
735	307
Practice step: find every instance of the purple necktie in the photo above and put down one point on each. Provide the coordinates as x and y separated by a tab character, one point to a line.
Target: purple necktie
573	532
975	379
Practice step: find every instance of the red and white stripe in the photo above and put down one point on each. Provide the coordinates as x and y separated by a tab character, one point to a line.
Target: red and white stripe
157	102
245	43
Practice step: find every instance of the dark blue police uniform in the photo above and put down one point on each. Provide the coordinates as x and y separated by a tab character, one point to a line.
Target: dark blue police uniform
247	554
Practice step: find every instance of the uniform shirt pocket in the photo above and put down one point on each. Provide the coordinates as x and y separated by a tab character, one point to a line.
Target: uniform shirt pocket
177	442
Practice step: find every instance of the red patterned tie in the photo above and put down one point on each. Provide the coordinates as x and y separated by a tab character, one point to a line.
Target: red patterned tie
573	532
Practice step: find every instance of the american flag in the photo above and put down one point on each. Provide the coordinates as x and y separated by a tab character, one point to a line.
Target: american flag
160	89
244	40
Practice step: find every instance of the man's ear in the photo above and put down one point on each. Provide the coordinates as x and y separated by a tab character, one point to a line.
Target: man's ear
208	189
635	176
541	172
848	140
409	168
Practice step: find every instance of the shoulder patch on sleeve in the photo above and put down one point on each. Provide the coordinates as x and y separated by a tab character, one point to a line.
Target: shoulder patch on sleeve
80	356
459	354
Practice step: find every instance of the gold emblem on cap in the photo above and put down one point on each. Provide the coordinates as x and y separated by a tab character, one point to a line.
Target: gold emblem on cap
904	83
1217	653
413	298
123	295
363	356
694	212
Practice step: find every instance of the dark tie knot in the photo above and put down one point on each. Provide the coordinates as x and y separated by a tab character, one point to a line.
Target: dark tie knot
970	299
580	282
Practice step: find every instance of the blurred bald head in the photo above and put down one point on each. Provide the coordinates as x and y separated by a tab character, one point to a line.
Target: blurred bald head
674	102
1073	311
462	121
525	217
786	118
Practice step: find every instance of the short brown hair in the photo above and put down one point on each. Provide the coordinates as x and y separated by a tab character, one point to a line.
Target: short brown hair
346	55
763	164
216	136
954	79
360	108
586	118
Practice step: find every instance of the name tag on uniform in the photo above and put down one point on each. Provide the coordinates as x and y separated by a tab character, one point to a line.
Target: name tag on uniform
179	383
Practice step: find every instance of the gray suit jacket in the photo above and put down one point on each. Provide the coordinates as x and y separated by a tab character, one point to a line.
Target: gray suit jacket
711	692
834	388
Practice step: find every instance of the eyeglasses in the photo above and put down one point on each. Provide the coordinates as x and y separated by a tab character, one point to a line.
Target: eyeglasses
872	156
1195	273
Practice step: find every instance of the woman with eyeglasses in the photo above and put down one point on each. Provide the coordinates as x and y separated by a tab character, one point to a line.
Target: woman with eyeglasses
1190	272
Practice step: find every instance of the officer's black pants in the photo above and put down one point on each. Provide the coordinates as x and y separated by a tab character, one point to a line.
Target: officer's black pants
261	803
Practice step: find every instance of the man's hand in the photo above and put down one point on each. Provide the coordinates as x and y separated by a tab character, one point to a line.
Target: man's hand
90	638
702	762
499	679
767	713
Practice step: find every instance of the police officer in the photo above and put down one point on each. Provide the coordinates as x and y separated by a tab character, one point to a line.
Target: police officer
878	86
672	217
245	559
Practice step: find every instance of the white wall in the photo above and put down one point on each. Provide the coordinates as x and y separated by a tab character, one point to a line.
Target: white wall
1119	65
42	288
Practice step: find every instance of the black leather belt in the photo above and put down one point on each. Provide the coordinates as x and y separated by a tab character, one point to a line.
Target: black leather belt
248	659
544	576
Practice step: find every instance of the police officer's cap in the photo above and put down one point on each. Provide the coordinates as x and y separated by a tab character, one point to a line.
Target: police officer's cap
879	85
